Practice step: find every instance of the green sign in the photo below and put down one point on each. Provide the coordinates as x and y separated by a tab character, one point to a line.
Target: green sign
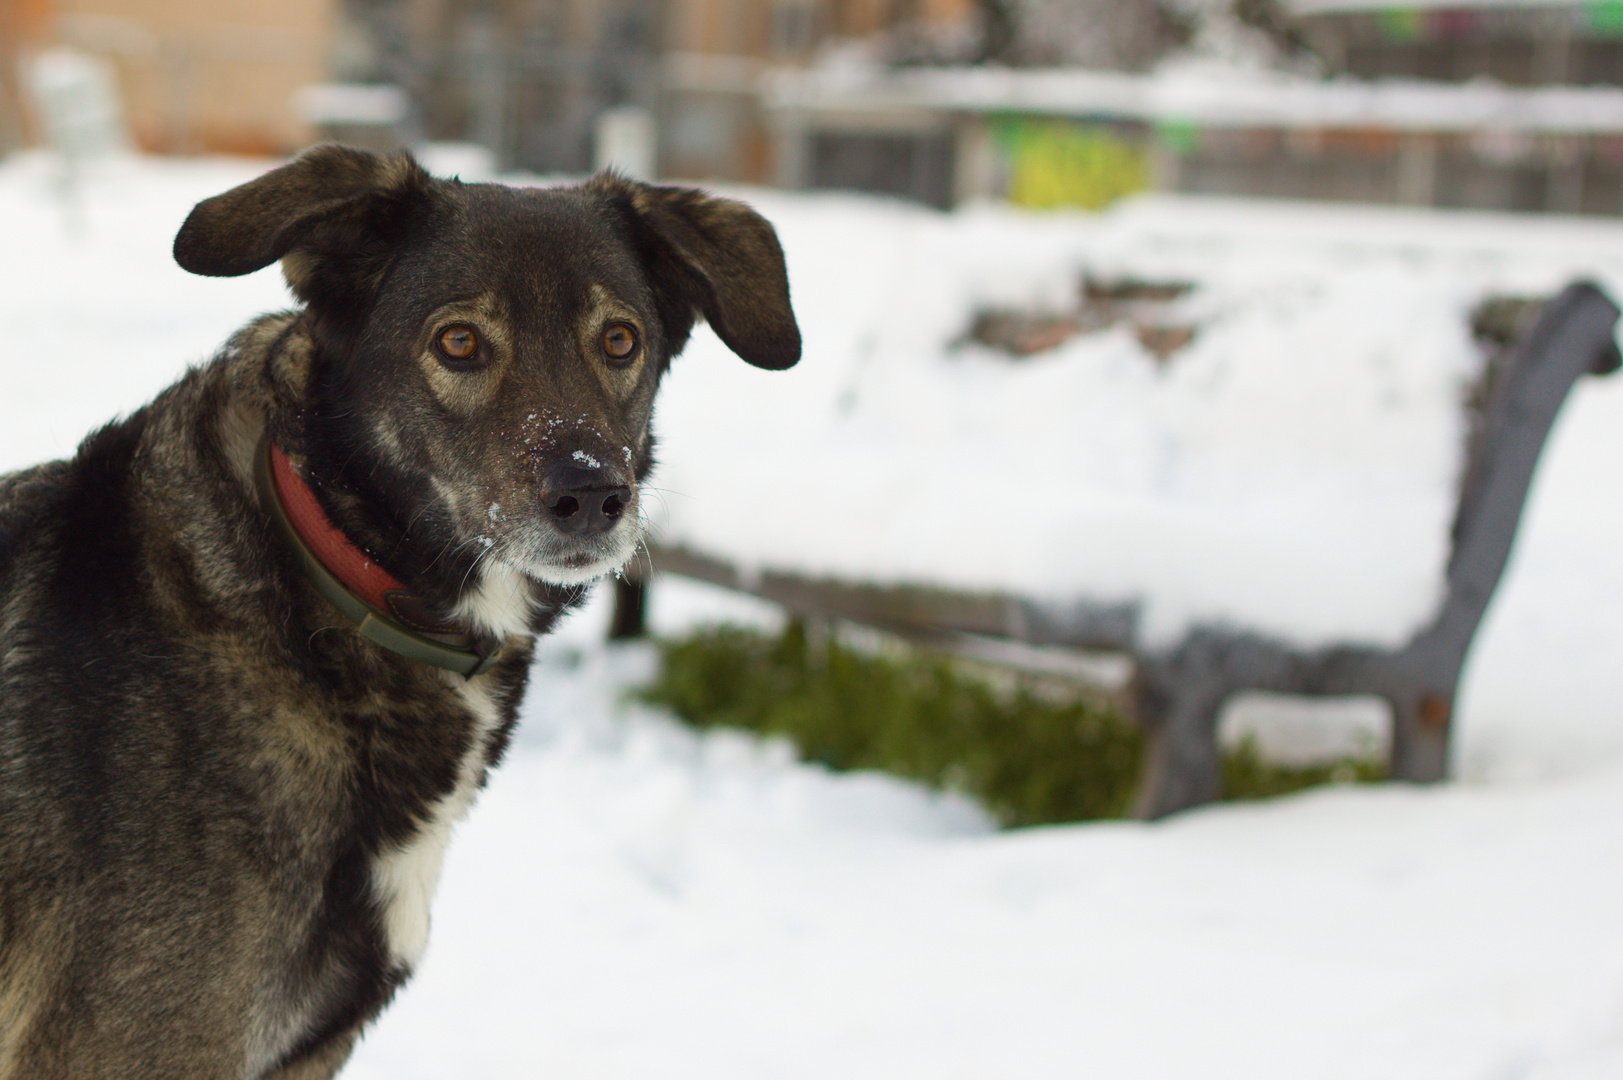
1604	18
1401	24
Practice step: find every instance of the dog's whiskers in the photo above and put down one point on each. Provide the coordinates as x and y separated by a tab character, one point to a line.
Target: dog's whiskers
477	560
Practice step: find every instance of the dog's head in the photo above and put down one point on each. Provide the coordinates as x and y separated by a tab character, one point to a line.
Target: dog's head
484	358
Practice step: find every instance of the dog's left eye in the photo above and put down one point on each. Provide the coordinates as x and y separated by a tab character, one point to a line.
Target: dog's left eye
458	343
619	341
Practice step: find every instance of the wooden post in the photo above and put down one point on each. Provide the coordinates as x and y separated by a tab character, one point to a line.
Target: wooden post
974	165
1417	170
1564	184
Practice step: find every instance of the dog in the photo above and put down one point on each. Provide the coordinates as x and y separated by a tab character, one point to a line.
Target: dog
262	640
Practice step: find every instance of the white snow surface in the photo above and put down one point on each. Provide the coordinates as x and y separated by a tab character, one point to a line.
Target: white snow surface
1222	82
630	899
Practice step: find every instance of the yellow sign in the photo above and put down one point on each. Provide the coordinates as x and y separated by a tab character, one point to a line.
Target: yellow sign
1060	163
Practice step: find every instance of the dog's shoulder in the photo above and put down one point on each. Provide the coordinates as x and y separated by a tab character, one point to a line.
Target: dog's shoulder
28	498
59	503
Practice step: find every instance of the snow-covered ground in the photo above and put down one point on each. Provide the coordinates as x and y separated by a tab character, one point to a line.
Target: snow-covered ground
630	899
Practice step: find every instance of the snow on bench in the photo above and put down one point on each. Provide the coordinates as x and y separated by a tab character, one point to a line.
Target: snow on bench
1235	442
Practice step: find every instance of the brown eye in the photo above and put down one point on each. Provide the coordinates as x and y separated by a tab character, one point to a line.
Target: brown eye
458	343
619	341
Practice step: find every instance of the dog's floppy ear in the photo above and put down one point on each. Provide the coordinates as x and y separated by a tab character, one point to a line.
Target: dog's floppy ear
719	258
333	213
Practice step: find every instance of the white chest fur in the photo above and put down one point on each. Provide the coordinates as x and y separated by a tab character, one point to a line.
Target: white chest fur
404	877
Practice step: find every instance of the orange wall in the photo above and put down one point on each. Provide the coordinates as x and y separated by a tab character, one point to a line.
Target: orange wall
207	75
22	26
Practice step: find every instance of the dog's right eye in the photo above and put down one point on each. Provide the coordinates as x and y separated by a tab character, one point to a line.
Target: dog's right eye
458	344
619	340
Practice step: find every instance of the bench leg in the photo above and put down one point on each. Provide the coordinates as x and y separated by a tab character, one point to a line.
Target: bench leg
1421	723
630	610
1182	766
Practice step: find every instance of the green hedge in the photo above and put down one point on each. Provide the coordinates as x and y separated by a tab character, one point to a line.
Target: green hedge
1028	758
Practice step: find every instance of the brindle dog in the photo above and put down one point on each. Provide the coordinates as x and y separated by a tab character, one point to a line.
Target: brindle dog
225	782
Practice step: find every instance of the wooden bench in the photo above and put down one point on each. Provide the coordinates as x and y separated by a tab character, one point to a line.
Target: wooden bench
1179	689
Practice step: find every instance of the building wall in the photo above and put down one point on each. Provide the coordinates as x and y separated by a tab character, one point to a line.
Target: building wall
205	75
525	78
1577	43
1534	173
712	125
22	27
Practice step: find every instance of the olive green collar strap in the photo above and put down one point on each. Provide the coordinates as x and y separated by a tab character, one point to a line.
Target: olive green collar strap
382	609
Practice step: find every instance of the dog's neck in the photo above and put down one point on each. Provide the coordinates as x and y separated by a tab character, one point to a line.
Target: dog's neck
382	608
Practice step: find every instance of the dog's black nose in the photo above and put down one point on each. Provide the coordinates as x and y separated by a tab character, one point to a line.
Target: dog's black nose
584	501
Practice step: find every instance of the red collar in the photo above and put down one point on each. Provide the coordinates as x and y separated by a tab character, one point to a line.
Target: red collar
380	606
342	558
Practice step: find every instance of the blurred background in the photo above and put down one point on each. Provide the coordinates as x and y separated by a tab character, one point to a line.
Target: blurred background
1207	350
1482	104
